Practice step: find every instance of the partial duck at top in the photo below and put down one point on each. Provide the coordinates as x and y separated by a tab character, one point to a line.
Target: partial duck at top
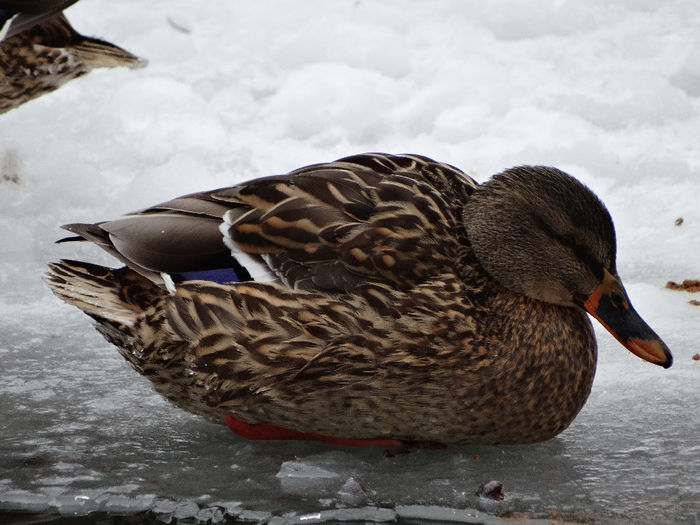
375	299
40	51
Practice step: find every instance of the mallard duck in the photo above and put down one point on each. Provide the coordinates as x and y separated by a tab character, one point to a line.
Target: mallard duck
40	51
375	299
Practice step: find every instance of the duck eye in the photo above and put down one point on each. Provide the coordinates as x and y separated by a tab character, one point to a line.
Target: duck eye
617	299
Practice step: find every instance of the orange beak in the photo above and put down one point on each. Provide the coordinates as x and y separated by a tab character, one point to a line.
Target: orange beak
610	305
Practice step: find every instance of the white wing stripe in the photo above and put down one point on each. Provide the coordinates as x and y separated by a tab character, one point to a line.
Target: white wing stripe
257	270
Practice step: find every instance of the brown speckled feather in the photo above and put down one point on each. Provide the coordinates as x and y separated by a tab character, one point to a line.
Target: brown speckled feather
379	319
331	226
42	52
354	365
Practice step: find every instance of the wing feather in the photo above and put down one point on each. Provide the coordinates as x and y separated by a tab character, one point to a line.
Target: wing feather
394	219
387	219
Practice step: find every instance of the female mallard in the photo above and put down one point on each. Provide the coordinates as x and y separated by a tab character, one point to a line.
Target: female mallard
40	51
371	298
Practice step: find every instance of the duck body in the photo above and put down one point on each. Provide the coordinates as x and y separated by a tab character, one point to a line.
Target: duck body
40	51
353	304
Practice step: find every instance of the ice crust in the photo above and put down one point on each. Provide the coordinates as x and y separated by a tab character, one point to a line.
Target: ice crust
606	90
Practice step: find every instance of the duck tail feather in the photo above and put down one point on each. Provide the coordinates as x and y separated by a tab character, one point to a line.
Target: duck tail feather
114	296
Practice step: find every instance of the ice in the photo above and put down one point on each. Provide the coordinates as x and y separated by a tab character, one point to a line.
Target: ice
352	493
607	90
28	501
258	516
437	513
300	477
301	470
186	509
118	503
491	490
360	514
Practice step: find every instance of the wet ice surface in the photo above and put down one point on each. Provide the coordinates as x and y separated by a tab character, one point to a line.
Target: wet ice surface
82	432
606	90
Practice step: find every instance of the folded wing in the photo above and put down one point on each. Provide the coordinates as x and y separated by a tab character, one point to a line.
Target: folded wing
331	227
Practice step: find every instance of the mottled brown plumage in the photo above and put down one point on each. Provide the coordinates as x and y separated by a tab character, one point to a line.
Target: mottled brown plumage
405	300
40	51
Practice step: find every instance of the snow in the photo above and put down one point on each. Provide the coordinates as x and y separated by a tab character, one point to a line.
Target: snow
606	90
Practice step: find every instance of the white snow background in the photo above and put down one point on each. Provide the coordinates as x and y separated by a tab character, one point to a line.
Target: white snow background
608	91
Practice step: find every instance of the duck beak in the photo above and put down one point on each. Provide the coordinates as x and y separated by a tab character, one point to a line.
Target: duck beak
610	305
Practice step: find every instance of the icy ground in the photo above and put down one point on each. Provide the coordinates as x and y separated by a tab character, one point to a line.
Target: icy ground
607	90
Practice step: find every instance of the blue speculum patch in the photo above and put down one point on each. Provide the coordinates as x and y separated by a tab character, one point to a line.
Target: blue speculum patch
217	275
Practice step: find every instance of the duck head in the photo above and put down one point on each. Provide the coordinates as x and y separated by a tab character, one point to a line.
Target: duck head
542	233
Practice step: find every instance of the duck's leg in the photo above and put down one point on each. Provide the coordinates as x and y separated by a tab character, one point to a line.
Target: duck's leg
262	431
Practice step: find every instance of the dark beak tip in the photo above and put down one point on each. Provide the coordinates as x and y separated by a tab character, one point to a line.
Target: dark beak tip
669	361
669	356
